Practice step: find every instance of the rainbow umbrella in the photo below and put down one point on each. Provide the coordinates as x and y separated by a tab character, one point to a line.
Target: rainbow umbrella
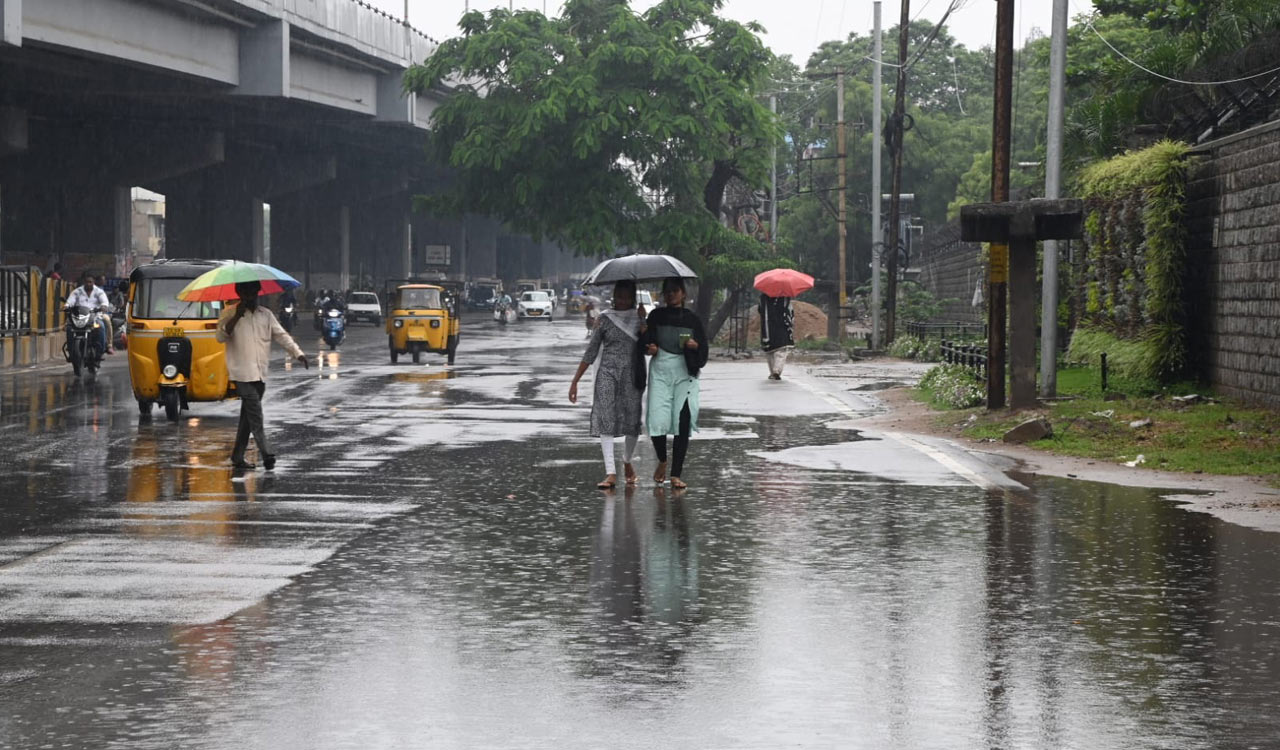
219	285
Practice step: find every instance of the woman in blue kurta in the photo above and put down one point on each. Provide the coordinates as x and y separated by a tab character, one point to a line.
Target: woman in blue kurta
677	341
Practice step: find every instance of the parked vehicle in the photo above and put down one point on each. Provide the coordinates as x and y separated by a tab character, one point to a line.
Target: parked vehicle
333	327
644	299
420	320
83	348
364	305
482	297
535	304
174	355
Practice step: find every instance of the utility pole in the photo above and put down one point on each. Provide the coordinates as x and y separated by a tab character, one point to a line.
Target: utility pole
1053	189
773	183
841	183
896	130
998	269
877	231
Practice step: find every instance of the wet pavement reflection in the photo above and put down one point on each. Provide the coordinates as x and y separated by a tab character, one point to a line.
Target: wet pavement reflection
429	567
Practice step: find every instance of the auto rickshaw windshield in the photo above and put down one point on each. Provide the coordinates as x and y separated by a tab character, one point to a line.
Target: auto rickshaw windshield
428	299
157	299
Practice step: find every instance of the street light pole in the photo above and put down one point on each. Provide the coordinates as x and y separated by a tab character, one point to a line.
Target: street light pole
877	231
773	182
841	182
1053	189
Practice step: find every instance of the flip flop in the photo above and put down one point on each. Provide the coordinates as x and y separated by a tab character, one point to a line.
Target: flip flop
606	484
631	476
660	473
678	484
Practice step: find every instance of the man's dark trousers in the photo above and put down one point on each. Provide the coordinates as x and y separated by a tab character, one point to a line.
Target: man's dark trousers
250	419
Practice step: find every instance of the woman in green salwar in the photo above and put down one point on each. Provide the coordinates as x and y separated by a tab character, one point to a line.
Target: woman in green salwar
677	341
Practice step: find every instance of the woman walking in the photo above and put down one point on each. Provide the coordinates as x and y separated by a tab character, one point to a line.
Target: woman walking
615	410
677	341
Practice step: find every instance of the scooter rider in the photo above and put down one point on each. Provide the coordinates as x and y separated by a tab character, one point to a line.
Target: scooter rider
91	296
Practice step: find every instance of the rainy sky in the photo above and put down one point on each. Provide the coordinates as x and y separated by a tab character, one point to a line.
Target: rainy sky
794	27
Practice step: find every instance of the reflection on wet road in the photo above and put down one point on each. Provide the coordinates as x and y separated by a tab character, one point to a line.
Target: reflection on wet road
429	567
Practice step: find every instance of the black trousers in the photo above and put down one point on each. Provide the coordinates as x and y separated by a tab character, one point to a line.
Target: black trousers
681	446
250	419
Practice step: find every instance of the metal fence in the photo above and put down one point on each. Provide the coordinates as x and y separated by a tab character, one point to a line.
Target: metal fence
740	323
30	302
972	356
955	330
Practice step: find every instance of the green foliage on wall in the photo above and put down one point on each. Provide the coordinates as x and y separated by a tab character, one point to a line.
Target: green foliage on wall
1136	255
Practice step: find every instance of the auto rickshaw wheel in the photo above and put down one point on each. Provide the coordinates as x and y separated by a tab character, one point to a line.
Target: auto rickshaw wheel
172	405
417	353
452	348
395	355
144	407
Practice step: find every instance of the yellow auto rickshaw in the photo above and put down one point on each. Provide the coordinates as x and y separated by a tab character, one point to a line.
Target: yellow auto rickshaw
422	318
174	357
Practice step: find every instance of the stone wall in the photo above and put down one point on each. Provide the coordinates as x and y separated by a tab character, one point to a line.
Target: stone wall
1234	272
950	270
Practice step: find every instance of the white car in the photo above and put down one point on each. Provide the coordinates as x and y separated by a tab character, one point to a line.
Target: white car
364	306
534	305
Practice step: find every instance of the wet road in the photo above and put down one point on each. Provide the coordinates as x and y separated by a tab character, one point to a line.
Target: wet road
429	567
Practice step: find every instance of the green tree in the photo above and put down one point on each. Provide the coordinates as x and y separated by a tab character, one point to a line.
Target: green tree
603	127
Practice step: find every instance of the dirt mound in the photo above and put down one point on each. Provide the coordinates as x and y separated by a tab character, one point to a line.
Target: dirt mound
811	323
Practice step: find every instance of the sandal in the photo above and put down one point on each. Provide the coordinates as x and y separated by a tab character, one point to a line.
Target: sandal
630	474
660	473
678	484
609	482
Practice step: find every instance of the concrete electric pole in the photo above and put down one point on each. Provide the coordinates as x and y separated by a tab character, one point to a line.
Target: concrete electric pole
1053	189
877	231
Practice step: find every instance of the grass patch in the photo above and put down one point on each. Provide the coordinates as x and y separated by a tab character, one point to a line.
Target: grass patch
827	345
1214	438
1218	437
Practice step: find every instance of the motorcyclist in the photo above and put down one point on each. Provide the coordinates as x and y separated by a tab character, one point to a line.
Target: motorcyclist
91	296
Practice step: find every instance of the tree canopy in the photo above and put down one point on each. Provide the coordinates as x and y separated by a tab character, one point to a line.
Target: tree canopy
603	127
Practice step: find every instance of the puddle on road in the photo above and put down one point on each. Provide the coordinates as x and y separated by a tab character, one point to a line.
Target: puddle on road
789	598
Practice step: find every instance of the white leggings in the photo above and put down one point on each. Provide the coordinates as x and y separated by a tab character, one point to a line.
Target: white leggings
629	451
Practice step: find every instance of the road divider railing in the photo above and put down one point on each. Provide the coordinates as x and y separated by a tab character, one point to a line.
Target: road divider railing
31	316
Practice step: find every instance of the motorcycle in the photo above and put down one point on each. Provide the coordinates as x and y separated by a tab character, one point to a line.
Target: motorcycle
333	327
119	327
82	348
288	316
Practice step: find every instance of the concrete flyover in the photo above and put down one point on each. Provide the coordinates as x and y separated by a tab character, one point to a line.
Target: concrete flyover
224	106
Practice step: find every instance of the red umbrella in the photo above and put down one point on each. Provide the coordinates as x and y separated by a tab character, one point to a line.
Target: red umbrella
783	282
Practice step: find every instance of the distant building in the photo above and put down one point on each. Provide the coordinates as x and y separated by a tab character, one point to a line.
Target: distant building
147	231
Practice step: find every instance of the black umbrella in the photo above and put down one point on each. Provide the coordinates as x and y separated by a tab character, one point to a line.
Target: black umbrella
638	268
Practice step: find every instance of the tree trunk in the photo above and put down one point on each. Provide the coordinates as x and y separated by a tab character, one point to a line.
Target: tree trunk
712	199
722	314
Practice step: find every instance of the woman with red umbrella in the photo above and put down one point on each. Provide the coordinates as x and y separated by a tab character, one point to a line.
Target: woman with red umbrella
777	319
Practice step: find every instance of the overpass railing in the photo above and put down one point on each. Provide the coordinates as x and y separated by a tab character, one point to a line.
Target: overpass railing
30	303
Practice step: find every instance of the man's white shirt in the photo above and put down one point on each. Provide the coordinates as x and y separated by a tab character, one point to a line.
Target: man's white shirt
94	300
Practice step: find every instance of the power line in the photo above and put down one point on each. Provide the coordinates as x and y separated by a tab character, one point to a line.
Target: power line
1089	23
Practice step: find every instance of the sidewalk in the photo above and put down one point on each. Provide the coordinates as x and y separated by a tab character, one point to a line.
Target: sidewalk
1241	500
